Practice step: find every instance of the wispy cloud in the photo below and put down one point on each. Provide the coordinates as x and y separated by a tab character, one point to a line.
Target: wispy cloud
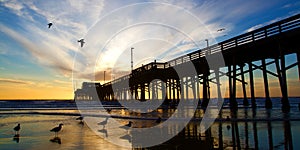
44	54
263	24
15	81
292	4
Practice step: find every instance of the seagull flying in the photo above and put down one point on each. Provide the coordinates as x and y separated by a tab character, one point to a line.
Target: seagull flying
81	41
222	29
49	25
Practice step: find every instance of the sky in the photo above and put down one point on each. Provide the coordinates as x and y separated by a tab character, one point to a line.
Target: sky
37	62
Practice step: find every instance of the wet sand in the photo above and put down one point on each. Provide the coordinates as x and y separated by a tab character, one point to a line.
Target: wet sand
35	134
246	129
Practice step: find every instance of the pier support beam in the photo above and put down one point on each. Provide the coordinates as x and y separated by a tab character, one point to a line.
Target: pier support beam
245	101
253	101
205	91
170	90
186	88
285	100
219	92
281	71
298	61
268	102
232	100
163	90
194	87
178	87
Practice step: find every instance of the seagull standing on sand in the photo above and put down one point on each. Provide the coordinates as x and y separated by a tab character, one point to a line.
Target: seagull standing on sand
57	129
158	120
81	41
81	120
129	125
108	110
17	129
49	25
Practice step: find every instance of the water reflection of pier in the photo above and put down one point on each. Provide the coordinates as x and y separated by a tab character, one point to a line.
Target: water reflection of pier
236	134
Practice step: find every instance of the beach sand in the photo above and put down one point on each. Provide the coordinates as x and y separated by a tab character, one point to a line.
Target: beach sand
35	134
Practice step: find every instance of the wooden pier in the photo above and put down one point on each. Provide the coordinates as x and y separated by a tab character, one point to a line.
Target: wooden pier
160	80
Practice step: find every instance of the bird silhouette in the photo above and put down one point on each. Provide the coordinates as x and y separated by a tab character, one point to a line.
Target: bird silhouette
81	41
81	120
228	127
108	110
50	24
158	120
57	129
103	123
227	118
129	125
222	29
17	129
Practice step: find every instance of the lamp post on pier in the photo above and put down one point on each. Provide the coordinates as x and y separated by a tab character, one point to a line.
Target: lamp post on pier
131	58
104	76
206	42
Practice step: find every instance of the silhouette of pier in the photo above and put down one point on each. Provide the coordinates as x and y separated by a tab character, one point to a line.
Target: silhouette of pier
241	54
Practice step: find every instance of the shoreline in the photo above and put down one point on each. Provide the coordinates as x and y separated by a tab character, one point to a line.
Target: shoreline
194	119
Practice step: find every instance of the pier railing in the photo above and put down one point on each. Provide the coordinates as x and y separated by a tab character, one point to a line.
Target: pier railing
258	34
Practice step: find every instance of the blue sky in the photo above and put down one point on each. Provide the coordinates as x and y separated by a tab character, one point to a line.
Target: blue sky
33	57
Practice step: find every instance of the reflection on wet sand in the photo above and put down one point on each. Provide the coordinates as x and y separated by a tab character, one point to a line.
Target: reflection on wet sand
245	128
234	134
288	142
104	131
16	138
127	137
56	140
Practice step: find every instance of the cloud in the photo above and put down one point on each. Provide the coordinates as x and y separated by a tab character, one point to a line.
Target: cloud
53	47
14	81
263	24
289	5
44	54
14	6
109	46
